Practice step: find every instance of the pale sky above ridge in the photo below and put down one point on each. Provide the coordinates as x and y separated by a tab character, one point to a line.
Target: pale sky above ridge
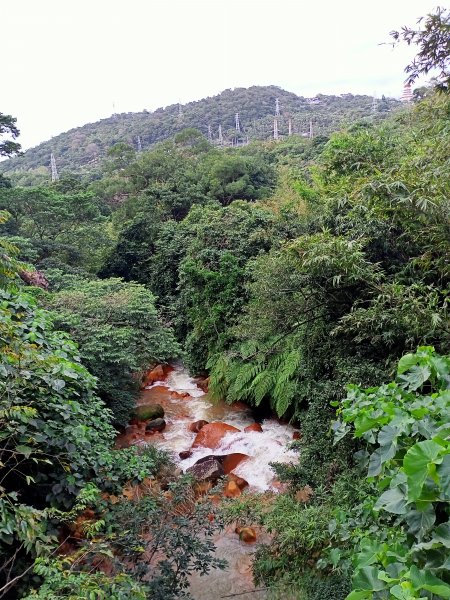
69	62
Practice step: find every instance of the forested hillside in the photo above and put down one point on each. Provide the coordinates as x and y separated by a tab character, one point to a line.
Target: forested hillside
306	277
81	150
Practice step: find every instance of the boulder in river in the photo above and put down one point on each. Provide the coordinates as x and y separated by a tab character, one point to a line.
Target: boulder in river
211	435
231	461
158	373
185	454
239	481
155	425
197	425
253	427
208	468
146	412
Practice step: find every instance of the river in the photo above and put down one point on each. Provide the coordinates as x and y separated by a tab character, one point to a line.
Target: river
185	403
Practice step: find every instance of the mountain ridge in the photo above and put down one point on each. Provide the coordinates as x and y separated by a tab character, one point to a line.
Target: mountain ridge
81	149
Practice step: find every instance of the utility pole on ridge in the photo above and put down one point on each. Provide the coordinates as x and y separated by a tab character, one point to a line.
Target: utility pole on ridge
55	175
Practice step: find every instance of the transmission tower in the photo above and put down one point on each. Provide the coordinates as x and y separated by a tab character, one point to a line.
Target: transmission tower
220	136
290	126
55	175
180	111
237	123
277	107
374	103
407	95
275	129
139	143
311	132
210	134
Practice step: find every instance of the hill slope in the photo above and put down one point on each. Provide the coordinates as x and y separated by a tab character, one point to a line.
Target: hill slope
81	149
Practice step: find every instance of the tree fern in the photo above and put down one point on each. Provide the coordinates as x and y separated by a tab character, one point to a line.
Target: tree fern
261	385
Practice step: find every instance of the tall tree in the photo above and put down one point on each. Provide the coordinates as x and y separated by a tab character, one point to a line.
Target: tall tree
8	128
433	41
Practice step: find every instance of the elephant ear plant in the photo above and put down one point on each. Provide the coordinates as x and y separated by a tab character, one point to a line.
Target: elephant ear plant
398	540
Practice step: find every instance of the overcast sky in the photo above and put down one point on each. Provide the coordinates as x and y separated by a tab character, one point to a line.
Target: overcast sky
69	62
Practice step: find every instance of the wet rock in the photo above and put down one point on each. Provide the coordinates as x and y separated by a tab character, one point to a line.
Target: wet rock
246	534
208	468
156	374
231	461
203	383
146	412
240	482
155	425
197	425
211	435
185	454
180	395
232	490
253	427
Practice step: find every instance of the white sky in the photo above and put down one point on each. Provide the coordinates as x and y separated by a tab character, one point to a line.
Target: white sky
67	62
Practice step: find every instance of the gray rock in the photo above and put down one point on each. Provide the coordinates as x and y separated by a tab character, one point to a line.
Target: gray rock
156	425
208	468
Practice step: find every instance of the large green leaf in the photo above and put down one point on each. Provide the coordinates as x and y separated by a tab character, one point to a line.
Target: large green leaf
402	592
406	362
416	377
443	471
416	463
393	501
420	522
367	579
424	580
359	595
442	534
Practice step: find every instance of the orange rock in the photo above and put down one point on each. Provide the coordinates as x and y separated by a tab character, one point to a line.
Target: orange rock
240	482
180	395
247	535
203	383
231	490
231	461
253	427
211	435
296	435
156	374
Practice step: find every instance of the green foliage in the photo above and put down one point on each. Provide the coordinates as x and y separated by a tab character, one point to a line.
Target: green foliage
64	227
433	44
400	534
8	127
151	546
118	331
82	150
211	273
9	265
54	429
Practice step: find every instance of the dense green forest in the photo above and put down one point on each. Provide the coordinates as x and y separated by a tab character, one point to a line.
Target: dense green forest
81	150
308	278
